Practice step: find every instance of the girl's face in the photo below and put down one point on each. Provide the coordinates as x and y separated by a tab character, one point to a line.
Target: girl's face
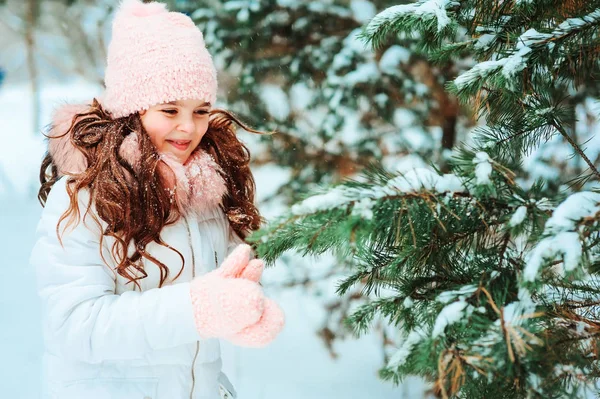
176	127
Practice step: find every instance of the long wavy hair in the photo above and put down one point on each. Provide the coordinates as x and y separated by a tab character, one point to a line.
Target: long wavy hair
135	203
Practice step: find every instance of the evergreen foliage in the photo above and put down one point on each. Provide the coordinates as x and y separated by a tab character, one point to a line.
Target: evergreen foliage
489	273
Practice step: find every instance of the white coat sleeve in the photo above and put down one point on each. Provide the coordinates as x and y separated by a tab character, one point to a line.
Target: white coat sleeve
83	319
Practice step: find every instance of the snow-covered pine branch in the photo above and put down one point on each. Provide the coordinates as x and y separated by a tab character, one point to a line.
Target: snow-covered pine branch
399	18
530	44
562	235
411	182
473	303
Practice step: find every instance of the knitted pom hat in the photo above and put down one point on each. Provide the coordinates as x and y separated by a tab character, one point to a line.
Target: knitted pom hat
155	56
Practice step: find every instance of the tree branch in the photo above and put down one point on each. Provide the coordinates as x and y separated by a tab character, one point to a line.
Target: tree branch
576	148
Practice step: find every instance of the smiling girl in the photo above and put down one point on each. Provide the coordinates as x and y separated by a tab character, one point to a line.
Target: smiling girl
140	260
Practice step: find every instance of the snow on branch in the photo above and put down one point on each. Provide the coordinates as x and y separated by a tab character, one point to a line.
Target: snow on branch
563	239
578	23
424	9
510	65
450	314
529	42
402	353
413	181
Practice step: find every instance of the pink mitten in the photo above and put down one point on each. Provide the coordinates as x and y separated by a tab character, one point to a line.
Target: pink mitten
270	324
228	303
253	271
236	263
264	331
224	304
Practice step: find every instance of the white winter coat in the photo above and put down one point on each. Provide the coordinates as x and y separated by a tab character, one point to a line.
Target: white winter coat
105	339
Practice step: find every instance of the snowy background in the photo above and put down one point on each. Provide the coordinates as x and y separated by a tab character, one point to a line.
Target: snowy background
296	365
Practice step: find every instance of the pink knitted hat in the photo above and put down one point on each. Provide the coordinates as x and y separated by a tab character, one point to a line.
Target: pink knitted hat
155	56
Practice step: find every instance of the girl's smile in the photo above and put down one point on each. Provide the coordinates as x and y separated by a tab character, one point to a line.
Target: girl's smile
180	145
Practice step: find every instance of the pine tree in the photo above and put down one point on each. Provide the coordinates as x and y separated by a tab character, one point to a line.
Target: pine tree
488	272
300	69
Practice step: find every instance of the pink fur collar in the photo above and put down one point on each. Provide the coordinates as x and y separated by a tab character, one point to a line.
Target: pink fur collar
199	185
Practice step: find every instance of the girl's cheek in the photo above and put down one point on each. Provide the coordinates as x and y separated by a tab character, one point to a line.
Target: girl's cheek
203	128
161	128
163	123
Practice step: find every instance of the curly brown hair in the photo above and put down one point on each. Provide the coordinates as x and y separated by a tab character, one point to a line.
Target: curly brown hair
135	203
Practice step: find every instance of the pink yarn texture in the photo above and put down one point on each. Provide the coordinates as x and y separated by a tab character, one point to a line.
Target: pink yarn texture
155	56
199	185
228	303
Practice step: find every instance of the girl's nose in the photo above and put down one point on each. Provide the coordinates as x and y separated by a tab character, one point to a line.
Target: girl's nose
186	125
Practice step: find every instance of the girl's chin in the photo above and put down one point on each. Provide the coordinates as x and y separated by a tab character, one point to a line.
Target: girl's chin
181	158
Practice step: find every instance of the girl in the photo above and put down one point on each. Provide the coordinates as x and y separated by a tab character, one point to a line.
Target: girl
147	191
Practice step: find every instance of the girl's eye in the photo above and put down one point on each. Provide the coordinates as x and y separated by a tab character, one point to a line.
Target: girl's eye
173	112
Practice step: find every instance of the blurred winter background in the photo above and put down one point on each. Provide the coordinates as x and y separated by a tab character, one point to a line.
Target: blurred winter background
294	66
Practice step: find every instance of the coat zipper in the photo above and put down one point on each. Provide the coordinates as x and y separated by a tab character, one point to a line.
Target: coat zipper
193	366
193	276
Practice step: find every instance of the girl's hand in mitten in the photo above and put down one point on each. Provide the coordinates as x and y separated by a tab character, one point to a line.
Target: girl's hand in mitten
264	331
272	321
228	303
228	299
238	264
